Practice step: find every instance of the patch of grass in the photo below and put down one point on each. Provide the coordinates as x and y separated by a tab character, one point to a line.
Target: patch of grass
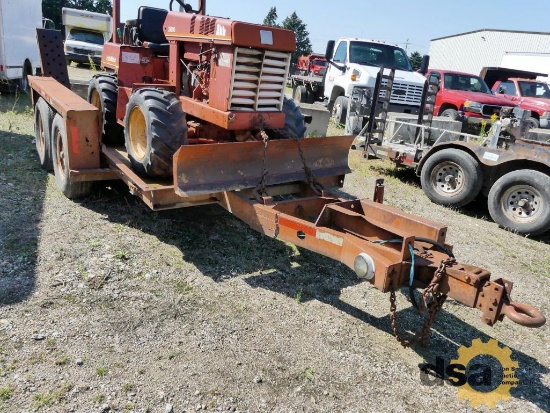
102	371
61	361
299	295
95	243
129	407
122	255
183	287
540	267
100	398
41	400
128	387
308	373
51	344
6	393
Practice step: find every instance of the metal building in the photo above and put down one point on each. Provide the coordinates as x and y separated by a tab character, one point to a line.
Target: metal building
471	51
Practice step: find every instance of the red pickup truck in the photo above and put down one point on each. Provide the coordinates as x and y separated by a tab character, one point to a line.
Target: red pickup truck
466	97
532	95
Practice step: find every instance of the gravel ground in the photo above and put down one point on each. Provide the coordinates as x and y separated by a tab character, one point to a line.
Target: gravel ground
107	306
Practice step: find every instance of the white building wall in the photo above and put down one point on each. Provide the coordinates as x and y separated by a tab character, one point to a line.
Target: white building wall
470	52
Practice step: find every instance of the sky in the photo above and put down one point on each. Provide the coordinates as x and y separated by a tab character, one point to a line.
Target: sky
409	23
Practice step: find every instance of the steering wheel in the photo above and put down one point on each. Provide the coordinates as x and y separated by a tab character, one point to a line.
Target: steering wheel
186	7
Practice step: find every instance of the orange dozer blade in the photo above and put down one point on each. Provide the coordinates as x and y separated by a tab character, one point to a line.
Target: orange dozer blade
212	168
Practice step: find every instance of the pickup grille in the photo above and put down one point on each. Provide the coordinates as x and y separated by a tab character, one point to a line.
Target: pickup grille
82	51
489	110
404	93
259	79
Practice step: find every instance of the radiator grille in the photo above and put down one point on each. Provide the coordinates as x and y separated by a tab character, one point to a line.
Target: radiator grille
404	93
207	25
259	80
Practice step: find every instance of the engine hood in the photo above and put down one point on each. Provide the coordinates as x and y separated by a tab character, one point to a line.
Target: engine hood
536	102
483	98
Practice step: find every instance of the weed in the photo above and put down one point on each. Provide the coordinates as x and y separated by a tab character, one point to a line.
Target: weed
47	399
100	398
93	67
95	243
183	287
129	407
102	371
308	374
122	255
128	387
299	295
61	361
51	344
6	393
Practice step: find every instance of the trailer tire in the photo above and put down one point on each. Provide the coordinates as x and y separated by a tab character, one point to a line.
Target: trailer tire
43	119
450	113
300	94
154	128
520	201
451	177
61	168
103	94
340	110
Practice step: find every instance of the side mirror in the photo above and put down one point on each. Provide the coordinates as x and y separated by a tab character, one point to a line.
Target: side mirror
330	50
424	65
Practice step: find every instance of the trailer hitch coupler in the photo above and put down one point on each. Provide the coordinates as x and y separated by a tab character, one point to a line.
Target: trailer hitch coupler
364	266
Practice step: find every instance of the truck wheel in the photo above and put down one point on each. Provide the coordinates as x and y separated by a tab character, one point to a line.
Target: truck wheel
450	113
71	190
340	110
102	93
533	123
520	200
451	177
24	81
154	129
300	94
43	118
310	96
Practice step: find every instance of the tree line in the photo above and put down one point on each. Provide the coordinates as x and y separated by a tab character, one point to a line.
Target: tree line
51	9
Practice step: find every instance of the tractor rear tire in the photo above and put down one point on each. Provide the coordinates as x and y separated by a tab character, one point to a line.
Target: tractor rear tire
294	119
43	118
520	201
451	177
154	128
61	167
102	93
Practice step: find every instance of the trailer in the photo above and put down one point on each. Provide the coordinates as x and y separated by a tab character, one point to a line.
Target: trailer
18	52
246	154
307	88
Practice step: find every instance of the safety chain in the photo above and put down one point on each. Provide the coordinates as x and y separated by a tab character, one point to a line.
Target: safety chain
437	301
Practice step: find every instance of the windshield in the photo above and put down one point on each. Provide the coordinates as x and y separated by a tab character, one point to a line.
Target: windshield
319	63
534	90
375	54
468	83
86	36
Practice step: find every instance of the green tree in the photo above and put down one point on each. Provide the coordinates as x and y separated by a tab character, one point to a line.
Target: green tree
416	60
271	18
303	44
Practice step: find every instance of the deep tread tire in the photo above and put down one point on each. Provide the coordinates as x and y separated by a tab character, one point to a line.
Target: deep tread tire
520	201
102	93
154	128
294	119
451	177
61	166
300	94
43	119
450	113
340	110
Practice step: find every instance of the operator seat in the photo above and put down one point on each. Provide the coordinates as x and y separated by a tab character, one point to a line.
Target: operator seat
150	29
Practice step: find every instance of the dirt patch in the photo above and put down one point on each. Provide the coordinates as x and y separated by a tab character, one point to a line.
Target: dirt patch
107	306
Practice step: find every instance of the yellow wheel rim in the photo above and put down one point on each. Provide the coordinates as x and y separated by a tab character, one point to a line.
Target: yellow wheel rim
138	133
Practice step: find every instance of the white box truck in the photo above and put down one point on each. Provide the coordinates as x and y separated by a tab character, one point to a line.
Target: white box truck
19	57
85	34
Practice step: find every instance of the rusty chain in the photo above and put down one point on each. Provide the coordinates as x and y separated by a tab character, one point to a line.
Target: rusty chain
311	180
437	301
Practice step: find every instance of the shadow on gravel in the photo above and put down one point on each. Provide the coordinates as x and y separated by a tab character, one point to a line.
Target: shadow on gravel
22	189
222	247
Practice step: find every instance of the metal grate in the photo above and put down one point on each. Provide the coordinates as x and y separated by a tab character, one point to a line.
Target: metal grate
405	93
207	25
259	80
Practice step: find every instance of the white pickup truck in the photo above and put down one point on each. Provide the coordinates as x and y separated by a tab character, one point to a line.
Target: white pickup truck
19	58
356	62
